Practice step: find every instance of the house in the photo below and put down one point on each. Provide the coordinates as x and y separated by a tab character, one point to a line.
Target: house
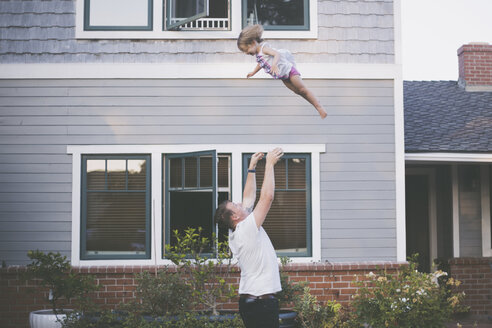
122	121
448	166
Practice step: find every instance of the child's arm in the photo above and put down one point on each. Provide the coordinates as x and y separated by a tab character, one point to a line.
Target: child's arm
276	56
250	74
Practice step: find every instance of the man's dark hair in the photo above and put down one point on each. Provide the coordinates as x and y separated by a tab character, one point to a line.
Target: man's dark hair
223	215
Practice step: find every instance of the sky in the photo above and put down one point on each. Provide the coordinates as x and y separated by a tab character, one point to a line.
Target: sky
433	30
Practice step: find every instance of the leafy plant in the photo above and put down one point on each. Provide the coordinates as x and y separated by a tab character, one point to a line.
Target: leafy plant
53	271
407	299
164	294
313	314
290	290
205	274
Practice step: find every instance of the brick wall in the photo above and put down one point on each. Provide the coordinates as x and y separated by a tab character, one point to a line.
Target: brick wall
475	65
475	275
327	282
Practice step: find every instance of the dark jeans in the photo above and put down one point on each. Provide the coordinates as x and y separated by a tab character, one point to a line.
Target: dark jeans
259	313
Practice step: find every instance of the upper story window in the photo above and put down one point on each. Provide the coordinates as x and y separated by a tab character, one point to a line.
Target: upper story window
193	19
277	14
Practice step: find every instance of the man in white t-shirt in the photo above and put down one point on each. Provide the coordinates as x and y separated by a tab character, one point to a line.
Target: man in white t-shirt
250	244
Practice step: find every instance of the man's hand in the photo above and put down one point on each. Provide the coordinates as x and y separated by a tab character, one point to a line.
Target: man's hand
254	160
274	155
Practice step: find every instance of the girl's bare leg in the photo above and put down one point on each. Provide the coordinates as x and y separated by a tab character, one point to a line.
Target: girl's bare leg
296	84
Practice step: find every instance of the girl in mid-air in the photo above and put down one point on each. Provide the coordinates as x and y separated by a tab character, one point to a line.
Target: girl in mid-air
279	63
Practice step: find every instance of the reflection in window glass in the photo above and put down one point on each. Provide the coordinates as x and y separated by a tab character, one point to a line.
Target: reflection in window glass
96	174
116	174
277	14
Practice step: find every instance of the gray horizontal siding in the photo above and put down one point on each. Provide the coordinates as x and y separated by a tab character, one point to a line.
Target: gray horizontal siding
41	31
39	118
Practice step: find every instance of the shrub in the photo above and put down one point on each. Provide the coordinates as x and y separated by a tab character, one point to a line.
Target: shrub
53	271
162	294
290	290
406	299
313	314
206	274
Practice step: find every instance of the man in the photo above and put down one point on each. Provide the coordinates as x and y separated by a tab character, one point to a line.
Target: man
260	278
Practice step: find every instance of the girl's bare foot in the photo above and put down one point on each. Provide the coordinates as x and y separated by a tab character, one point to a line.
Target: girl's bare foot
322	112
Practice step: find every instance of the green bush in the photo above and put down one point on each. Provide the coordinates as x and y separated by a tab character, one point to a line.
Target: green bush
313	314
406	299
206	274
162	294
290	290
53	271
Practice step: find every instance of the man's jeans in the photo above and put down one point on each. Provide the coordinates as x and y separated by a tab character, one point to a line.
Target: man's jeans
259	313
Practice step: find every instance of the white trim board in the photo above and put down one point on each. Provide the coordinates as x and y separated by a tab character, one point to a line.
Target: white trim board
190	71
156	152
448	157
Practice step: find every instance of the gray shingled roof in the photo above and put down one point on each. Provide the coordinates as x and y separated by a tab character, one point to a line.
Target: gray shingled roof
440	116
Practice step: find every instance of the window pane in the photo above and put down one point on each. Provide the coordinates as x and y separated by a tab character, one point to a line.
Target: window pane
289	216
191	209
118	13
181	11
276	12
117	174
191	166
280	174
116	223
96	174
136	174
223	172
297	173
206	171
175	173
286	221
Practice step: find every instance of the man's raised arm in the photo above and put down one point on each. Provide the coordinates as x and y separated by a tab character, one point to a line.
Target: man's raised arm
249	193
268	187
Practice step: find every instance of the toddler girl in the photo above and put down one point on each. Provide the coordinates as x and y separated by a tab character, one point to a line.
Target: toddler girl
279	63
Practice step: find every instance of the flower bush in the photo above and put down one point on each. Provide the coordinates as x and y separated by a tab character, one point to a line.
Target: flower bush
407	299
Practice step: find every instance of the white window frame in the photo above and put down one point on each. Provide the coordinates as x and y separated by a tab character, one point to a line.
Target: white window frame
158	32
156	152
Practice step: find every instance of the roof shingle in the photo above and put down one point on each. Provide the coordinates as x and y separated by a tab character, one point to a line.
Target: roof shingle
440	116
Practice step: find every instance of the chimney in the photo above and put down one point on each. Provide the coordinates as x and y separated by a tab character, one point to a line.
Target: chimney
475	65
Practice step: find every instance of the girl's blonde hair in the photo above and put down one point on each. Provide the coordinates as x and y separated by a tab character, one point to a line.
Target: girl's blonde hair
249	34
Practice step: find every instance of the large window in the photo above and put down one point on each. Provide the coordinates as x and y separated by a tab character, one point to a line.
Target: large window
277	14
115	207
128	203
288	222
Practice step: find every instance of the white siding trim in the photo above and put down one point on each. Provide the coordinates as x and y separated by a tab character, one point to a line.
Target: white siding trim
448	157
190	71
456	211
156	152
486	238
158	33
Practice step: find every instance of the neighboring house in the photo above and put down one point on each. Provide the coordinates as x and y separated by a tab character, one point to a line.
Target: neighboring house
122	121
448	157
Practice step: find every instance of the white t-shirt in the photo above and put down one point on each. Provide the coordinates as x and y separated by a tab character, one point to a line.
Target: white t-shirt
257	258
